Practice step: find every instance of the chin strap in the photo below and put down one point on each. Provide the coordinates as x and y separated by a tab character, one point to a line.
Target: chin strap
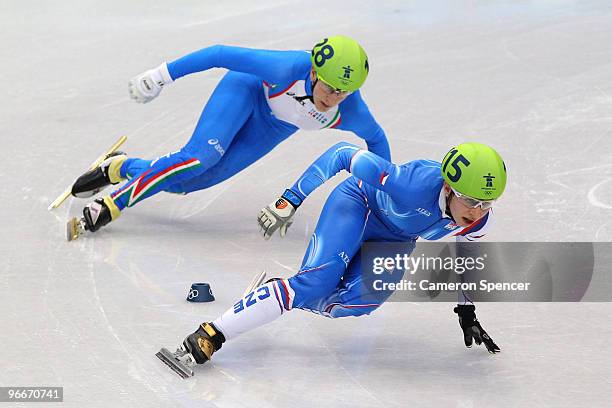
447	210
312	87
313	84
307	97
302	98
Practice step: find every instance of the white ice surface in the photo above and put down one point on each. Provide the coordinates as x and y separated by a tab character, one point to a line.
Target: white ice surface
532	78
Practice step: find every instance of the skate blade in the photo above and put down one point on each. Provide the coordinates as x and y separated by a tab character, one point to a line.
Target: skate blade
67	193
171	361
74	229
255	282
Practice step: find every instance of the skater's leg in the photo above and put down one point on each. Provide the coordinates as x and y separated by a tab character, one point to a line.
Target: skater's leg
259	135
336	239
250	144
334	243
227	110
261	306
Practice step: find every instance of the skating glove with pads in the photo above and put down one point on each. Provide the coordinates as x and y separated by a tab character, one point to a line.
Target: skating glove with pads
472	330
279	214
145	87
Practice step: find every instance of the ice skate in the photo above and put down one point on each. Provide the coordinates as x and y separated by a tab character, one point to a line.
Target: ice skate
197	348
97	179
95	215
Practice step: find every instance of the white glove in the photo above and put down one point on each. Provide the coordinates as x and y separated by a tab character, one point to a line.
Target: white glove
145	87
279	214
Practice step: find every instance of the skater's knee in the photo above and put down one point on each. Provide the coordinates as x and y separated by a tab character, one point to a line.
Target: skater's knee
316	282
208	153
284	293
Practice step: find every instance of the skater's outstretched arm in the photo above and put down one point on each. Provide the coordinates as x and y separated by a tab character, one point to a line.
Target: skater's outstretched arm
402	183
397	181
269	65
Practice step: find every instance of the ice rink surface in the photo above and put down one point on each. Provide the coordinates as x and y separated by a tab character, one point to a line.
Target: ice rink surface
531	78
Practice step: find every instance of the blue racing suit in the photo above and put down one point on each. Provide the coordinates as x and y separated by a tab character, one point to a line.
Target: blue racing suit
380	202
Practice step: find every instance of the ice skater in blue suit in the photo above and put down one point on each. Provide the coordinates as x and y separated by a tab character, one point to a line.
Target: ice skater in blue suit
264	98
381	202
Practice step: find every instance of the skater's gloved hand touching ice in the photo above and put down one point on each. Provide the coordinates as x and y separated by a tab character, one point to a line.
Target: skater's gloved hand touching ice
145	87
472	330
279	214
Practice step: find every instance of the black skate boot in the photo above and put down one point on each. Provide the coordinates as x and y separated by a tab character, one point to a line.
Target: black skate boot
95	215
96	180
99	213
202	343
197	348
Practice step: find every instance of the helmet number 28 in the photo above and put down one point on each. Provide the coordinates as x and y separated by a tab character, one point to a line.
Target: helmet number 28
325	53
455	165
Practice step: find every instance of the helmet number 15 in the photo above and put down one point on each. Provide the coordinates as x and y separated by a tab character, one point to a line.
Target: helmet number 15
455	165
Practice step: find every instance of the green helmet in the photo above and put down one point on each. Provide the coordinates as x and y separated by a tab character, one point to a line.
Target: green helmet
340	62
475	170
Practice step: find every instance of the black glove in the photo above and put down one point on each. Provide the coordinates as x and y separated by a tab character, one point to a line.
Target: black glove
472	330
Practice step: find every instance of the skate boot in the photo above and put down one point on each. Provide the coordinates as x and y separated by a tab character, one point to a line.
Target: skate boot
202	343
96	180
95	215
197	348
